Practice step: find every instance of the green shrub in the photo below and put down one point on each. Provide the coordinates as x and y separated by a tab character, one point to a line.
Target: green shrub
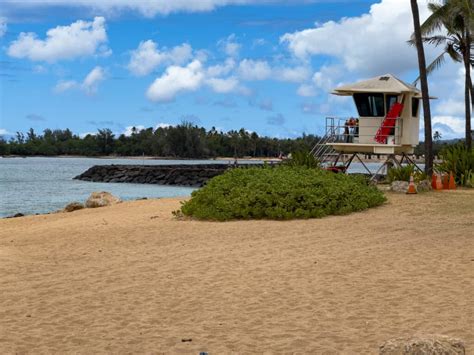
403	174
460	161
302	158
281	192
400	173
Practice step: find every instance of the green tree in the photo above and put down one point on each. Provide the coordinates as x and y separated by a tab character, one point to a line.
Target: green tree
105	139
457	18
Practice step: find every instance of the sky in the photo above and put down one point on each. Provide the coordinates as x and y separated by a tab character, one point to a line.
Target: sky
268	66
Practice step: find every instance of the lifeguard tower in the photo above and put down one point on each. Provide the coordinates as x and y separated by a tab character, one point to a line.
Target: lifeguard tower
387	124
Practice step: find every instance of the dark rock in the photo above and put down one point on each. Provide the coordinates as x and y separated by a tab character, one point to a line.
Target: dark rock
16	215
183	175
73	206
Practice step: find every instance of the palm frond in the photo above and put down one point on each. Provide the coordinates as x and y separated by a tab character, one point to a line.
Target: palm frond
436	40
435	21
435	64
453	50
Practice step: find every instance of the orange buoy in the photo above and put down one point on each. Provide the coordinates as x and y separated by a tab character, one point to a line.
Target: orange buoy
452	182
439	184
411	187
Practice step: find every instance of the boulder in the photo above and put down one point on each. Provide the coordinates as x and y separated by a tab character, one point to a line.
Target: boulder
73	206
399	186
424	186
101	199
428	345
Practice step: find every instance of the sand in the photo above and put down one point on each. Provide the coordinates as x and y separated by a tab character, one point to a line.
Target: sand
133	279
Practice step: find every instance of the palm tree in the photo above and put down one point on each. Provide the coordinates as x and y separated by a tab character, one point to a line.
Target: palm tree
457	17
424	89
437	136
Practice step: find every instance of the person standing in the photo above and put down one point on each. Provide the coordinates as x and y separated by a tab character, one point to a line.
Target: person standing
346	131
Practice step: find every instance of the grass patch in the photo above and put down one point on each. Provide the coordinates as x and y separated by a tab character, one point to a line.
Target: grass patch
280	193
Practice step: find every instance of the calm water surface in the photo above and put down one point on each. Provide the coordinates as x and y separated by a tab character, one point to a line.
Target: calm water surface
41	185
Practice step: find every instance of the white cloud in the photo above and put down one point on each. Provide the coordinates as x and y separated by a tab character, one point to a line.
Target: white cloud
369	44
449	126
230	46
448	112
89	85
325	78
147	57
4	132
221	69
322	80
65	85
175	80
293	75
130	129
251	70
254	69
92	80
258	42
306	90
79	39
40	69
85	134
451	106
223	86
3	26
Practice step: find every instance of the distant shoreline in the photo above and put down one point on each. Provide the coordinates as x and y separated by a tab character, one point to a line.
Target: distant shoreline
139	157
224	159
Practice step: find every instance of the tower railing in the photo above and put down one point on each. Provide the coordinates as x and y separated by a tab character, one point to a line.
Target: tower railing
339	131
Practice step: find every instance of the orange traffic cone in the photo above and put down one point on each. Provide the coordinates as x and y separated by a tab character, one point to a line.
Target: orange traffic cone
433	181
411	187
439	184
445	181
452	182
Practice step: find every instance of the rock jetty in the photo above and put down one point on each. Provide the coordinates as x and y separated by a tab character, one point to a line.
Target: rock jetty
182	175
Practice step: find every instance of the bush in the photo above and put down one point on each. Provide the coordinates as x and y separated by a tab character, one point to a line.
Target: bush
460	161
403	174
280	193
302	158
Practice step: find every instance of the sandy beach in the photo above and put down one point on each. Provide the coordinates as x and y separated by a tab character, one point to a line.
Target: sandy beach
133	279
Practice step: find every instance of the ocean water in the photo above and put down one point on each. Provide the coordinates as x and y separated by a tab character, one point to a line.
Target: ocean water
41	185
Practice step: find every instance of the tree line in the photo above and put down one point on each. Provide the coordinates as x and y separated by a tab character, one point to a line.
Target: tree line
182	141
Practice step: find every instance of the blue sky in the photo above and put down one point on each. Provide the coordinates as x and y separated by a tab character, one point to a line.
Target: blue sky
267	66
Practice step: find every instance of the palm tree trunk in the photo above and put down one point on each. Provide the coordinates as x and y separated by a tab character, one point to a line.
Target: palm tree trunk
424	89
468	94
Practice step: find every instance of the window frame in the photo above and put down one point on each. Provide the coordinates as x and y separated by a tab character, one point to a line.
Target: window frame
370	111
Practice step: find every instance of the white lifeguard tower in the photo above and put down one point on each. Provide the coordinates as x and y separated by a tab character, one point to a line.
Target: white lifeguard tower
387	123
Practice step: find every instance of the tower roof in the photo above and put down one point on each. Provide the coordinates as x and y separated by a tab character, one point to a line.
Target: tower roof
384	84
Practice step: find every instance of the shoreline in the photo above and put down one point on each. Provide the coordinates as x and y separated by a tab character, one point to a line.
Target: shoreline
105	157
374	158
